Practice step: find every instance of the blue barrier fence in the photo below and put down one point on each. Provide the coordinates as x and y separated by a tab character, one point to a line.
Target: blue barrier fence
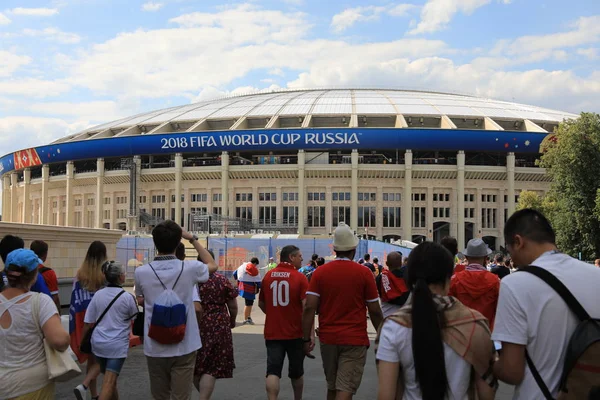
230	253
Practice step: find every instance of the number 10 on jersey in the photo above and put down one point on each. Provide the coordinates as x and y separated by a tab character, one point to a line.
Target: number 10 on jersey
281	293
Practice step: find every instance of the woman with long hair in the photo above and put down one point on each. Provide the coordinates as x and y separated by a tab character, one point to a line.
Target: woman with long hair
434	348
26	318
88	280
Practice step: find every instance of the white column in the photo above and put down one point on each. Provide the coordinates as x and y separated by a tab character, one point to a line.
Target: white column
45	178
429	210
500	217
407	197
14	198
301	192
279	205
454	215
328	210
255	213
224	183
113	211
354	192
379	212
6	207
99	193
26	200
510	172
69	216
478	215
460	201
178	177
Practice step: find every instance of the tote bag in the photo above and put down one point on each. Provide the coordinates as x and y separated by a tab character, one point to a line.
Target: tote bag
61	366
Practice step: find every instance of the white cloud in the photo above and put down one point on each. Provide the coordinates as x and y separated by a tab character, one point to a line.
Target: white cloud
591	53
347	18
54	35
294	2
4	20
95	111
33	87
212	93
151	6
584	31
34	12
10	62
34	131
437	14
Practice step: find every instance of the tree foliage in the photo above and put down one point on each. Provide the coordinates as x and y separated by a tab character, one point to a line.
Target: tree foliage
571	157
529	199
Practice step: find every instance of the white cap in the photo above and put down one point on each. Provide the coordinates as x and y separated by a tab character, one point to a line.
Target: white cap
344	239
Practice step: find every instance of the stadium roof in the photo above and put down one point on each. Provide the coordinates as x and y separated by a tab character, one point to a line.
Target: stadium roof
260	111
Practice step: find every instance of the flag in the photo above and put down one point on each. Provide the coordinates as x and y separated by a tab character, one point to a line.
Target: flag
26	158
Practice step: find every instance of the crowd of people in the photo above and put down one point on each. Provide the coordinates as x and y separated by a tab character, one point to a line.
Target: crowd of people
450	324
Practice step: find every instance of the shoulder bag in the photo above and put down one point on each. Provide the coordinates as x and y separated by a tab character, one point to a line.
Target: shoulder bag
60	364
86	343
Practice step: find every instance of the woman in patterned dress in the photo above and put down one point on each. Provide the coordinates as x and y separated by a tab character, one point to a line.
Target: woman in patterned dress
215	359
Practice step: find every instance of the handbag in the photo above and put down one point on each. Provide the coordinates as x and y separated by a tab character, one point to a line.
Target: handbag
60	364
138	324
86	342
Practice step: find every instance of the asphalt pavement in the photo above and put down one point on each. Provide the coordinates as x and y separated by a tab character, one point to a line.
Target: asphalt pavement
248	380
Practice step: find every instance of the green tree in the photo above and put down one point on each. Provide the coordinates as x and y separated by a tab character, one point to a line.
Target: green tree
571	157
529	199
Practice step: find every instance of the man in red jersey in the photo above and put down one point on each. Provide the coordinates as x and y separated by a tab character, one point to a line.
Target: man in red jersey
341	290
282	300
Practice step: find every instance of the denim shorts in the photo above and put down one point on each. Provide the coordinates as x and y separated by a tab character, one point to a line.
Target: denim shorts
113	365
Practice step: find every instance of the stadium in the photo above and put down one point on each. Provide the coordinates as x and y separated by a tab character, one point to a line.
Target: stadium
393	164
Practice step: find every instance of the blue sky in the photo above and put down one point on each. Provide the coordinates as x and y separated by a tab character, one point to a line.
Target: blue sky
68	64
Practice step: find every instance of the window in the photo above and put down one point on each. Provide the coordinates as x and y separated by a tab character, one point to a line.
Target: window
489	218
243	212
106	214
218	210
243	197
142	199
121	214
77	203
198	210
159	199
469	213
106	200
217	197
391	217
199	198
440	212
367	196
290	215
505	198
290	197
441	197
122	200
366	217
158	212
419	217
316	196
334	196
469	197
316	216
392	197
90	201
267	196
267	215
340	214
418	196
55	204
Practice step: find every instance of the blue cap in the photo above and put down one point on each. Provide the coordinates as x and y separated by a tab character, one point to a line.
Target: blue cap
23	258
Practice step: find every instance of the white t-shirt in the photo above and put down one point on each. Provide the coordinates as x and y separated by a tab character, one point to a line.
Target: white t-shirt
147	285
531	313
388	308
395	345
196	295
22	358
111	336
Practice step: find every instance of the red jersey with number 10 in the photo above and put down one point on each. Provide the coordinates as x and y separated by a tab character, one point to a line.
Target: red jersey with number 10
283	290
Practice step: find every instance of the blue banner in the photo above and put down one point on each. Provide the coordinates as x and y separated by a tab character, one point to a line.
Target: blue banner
264	140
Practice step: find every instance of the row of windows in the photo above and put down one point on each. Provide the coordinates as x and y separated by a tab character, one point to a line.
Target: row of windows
392	197
340	196
243	197
199	198
367	197
441	197
290	197
121	200
441	212
316	196
267	196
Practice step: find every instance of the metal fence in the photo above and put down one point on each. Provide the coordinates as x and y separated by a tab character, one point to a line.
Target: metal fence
230	253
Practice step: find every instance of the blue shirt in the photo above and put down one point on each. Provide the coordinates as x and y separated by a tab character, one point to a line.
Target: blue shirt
39	285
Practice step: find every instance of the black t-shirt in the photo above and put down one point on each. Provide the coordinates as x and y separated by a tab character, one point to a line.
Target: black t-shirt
370	266
501	271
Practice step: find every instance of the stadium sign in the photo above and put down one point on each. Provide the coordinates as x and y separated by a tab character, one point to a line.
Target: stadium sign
259	140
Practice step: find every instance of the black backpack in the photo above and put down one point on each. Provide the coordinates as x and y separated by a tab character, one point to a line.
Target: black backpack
580	378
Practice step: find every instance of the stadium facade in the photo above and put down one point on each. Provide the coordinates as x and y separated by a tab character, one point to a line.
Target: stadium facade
392	164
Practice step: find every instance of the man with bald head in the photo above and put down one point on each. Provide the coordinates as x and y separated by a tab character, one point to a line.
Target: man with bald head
391	285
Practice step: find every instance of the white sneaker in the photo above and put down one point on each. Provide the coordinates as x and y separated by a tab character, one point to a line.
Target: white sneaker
80	392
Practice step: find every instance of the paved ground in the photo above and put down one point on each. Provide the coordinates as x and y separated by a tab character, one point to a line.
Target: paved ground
248	381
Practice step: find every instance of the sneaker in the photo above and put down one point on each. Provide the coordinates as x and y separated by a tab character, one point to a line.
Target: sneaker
80	392
250	322
246	322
